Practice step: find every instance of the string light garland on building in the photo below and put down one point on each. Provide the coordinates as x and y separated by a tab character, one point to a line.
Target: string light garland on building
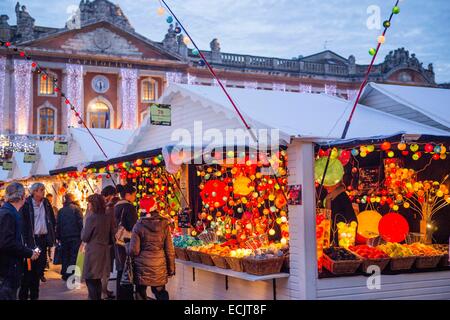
129	79
74	85
16	143
22	95
2	91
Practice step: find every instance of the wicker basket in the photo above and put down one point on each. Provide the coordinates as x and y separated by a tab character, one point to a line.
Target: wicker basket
220	261
366	263
236	264
444	261
404	263
427	262
286	264
181	253
264	266
206	259
194	256
341	267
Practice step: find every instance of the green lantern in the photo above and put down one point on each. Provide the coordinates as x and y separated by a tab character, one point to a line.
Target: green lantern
396	10
372	51
335	171
387	24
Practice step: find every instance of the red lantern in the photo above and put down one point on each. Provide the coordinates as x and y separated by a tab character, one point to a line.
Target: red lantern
393	227
344	157
385	146
436	156
215	193
405	152
147	203
429	147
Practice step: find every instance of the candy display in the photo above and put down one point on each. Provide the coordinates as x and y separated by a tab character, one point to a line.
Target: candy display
368	252
420	249
186	241
340	261
396	250
339	254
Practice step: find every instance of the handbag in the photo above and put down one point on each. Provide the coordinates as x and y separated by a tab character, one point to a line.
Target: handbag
127	275
122	233
57	258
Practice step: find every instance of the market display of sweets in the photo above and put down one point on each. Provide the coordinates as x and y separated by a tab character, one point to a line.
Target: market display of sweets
323	227
346	233
272	251
396	250
368	252
420	249
339	254
186	241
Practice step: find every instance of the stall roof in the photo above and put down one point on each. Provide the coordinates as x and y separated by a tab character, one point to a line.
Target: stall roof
421	104
20	170
46	161
306	114
83	150
3	175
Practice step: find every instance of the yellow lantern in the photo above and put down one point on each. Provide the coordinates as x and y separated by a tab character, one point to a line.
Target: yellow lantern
368	224
241	186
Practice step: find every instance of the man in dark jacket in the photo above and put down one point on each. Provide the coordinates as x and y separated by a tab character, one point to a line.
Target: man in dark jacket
12	248
69	225
39	231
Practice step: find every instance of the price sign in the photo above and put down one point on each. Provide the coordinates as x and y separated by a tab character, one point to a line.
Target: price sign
61	148
29	157
160	114
7	165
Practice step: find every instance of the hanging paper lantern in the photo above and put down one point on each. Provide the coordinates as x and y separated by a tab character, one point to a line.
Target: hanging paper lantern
334	153
401	146
442	149
355	152
429	147
334	174
214	192
280	201
436	156
195	52
371	148
385	146
186	40
381	39
386	24
241	186
372	51
391	154
344	157
396	10
414	147
169	19
393	227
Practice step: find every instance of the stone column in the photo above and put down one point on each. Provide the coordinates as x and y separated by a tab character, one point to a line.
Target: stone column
129	98
22	96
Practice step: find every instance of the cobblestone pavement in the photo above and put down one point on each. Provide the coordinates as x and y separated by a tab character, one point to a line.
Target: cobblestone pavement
56	289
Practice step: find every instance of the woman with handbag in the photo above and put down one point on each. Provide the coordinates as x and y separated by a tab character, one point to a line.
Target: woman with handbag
152	250
125	217
98	235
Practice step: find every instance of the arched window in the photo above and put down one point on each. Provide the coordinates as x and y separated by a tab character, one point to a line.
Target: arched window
46	120
149	90
99	115
47	84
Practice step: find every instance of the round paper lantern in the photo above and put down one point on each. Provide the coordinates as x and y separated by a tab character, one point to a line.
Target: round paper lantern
280	201
344	157
393	227
335	171
368	225
214	193
241	186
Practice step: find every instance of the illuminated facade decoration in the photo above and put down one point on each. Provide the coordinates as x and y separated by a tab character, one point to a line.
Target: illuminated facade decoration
2	91
22	95
74	85
129	97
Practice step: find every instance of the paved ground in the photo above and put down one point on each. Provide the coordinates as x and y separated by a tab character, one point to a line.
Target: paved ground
56	289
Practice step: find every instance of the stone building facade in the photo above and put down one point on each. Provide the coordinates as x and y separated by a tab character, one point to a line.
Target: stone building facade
112	74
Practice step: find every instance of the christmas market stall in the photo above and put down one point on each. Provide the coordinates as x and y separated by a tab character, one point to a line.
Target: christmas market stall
248	222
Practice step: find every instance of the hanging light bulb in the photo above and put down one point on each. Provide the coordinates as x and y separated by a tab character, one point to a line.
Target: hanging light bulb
381	39
161	11
186	40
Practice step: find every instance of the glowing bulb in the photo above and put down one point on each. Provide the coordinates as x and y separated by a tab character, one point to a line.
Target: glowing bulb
381	39
161	11
272	232
186	40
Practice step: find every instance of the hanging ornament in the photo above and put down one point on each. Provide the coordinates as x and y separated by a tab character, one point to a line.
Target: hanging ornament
396	10
414	147
195	52
372	51
401	146
201	63
160	11
355	152
177	30
334	174
344	157
241	186
429	148
385	146
381	39
214	193
386	24
367	225
393	227
169	19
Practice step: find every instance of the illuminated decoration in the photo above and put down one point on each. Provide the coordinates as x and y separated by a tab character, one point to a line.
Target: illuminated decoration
368	225
344	156
279	87
147	203
2	91
215	193
305	88
346	234
330	89
22	94
191	79
241	186
335	171
251	85
129	97
161	11
74	84
393	227
174	77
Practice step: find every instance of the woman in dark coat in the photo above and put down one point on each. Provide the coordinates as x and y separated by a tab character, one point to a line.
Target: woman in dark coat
124	214
152	248
97	233
341	209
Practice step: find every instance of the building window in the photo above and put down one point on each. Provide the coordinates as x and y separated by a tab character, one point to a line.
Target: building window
47	121
46	85
149	90
99	115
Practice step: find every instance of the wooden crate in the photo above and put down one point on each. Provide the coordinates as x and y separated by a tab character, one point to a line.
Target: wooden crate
341	267
263	267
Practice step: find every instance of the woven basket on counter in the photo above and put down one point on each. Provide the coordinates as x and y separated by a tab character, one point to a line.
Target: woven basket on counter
404	263
181	253
427	262
341	267
220	261
206	259
236	264
194	256
444	261
262	267
381	263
